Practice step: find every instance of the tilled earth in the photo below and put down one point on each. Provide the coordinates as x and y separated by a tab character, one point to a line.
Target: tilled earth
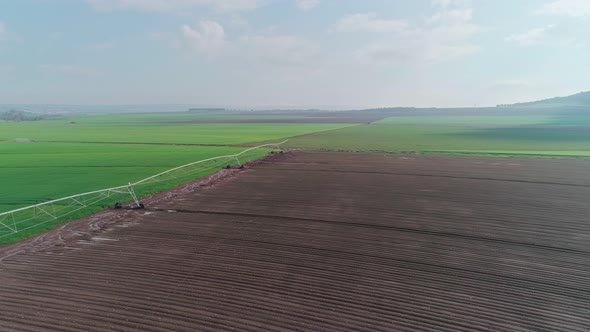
324	242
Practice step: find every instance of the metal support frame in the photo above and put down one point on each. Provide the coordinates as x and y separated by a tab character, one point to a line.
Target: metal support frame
133	195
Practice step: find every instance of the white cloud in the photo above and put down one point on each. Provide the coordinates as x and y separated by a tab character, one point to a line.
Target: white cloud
170	5
418	51
443	36
307	4
561	36
451	3
574	8
451	16
70	70
448	33
283	50
530	37
454	25
206	38
368	22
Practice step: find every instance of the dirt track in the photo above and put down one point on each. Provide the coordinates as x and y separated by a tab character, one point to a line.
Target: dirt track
333	242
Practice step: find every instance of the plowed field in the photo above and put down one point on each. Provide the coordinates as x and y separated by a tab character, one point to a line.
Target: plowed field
324	242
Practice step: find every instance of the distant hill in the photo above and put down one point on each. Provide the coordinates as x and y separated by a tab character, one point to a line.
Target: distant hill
581	99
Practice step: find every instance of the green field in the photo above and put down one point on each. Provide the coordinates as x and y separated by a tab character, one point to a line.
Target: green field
142	118
467	121
44	160
128	130
63	169
37	172
562	136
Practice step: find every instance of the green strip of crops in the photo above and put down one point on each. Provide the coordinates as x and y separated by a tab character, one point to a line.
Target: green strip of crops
153	133
527	138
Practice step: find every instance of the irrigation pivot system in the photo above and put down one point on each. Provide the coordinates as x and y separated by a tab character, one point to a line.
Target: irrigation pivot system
44	216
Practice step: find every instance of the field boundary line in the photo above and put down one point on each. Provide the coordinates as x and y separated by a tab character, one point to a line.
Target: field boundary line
443	176
453	153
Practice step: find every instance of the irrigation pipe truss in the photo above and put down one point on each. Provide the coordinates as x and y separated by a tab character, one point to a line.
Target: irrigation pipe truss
128	187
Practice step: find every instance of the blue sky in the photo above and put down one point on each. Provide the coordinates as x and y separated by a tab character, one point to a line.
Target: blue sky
292	53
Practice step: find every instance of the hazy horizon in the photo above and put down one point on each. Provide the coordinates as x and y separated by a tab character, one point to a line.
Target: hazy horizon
259	54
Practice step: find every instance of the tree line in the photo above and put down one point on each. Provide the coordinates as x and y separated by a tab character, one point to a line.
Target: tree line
14	115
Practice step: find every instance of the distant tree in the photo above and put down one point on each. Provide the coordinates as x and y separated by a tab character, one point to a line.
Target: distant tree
17	116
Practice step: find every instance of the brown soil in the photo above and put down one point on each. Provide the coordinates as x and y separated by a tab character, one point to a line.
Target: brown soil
323	242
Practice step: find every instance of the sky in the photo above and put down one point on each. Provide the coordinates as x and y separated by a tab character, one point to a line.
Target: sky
292	53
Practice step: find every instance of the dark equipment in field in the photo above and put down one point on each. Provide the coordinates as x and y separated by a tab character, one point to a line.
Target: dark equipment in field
136	205
132	206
